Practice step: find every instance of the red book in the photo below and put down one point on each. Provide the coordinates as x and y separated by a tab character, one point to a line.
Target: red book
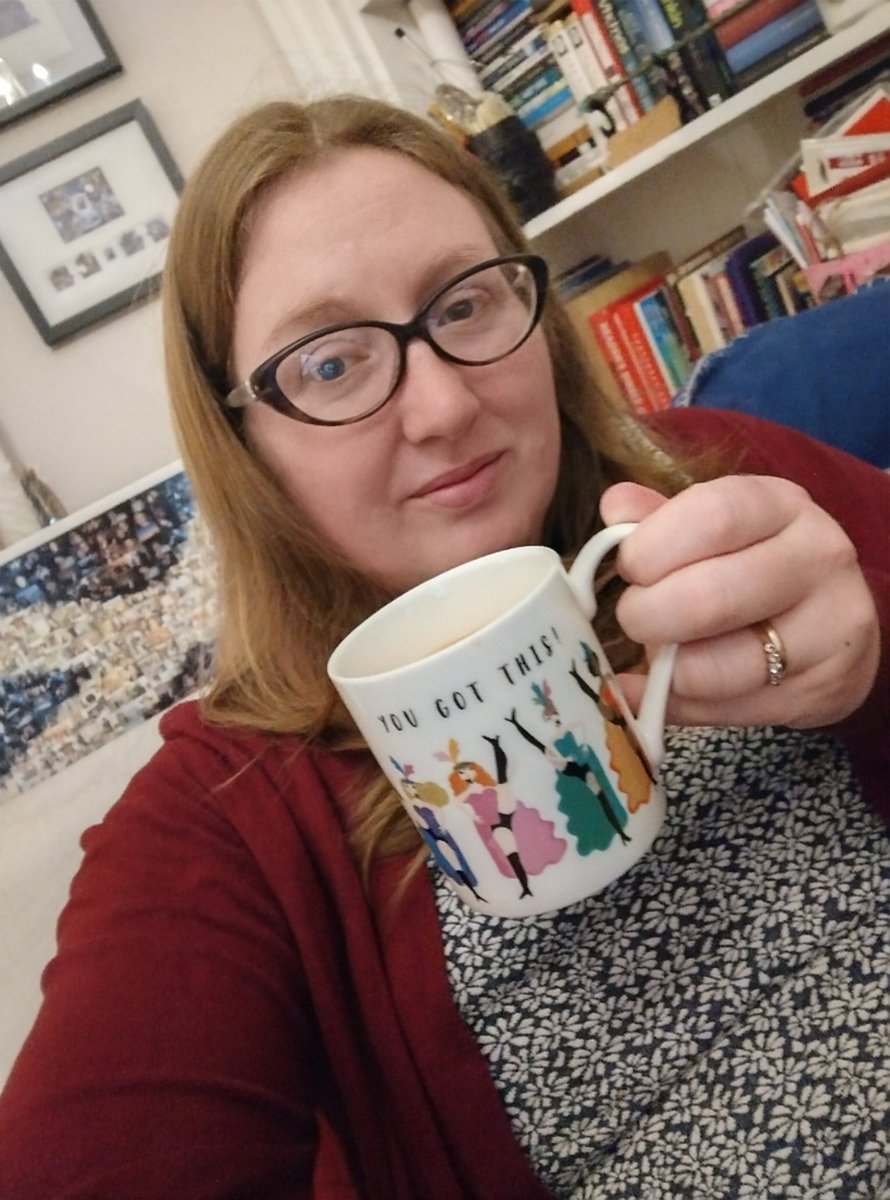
620	361
626	321
749	20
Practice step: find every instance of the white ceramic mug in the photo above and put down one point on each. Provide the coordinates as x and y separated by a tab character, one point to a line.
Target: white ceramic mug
488	701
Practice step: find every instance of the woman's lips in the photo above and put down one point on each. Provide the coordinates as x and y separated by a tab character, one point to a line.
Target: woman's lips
464	485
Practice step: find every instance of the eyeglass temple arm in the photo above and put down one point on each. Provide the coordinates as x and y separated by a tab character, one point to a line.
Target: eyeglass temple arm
240	396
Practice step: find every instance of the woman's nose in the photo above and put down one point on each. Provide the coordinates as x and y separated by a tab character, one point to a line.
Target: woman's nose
434	398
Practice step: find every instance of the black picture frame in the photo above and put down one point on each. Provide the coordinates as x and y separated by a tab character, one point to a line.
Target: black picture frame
49	49
84	221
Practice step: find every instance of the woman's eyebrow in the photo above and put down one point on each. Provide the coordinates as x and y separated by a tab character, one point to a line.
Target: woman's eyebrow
308	318
305	320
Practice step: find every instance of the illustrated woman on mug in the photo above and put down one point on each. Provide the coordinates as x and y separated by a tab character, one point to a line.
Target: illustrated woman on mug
265	984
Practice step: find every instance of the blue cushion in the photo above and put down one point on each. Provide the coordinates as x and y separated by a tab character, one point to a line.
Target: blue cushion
825	371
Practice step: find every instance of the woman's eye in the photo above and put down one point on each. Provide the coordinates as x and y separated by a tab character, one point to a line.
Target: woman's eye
326	370
460	308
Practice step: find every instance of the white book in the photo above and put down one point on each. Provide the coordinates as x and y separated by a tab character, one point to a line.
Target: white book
612	66
592	68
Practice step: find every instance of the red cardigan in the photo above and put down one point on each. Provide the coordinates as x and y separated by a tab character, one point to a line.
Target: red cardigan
222	976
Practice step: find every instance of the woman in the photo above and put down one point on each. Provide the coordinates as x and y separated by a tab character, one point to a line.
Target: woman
261	988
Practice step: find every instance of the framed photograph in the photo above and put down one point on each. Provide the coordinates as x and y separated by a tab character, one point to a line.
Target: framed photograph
49	49
84	221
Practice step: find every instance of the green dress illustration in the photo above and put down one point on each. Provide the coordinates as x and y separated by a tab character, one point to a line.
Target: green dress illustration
595	815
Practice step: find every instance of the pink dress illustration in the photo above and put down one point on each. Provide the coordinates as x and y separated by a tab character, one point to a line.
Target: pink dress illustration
520	841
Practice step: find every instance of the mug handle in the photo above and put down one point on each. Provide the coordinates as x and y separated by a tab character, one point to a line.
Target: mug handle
650	719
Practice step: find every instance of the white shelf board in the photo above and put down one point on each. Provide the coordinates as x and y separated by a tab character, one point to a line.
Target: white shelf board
869	26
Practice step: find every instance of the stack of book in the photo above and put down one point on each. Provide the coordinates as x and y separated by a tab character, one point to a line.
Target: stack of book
830	207
637	338
646	324
824	228
758	36
579	72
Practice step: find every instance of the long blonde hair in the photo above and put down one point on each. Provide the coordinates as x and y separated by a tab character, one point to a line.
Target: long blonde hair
285	598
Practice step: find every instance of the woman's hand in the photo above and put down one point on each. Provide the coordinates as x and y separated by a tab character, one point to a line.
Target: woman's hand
708	564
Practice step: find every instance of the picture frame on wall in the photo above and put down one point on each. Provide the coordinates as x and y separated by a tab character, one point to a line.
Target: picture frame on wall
84	221
49	49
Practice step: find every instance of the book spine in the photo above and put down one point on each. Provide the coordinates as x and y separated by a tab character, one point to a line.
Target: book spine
464	12
594	27
631	61
547	105
775	36
532	86
727	302
567	61
740	25
478	22
675	60
700	310
704	54
656	318
500	42
497	27
626	321
519	58
680	320
619	360
597	81
772	62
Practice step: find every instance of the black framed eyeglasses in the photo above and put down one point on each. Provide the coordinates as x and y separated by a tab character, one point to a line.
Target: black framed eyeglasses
344	373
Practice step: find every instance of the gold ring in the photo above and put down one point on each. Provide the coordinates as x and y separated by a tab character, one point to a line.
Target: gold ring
774	649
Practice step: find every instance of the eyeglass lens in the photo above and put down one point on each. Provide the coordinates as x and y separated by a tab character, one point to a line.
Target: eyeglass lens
343	374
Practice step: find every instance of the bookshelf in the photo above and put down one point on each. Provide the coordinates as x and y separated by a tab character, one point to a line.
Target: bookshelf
869	26
676	195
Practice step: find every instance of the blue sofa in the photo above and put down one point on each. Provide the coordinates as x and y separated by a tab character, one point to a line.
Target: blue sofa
825	371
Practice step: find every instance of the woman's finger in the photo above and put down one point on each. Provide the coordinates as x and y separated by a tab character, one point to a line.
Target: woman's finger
709	520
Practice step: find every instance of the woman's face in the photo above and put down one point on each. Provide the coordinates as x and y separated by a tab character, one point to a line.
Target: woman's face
462	461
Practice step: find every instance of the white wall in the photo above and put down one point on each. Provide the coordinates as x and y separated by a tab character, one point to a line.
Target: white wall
91	415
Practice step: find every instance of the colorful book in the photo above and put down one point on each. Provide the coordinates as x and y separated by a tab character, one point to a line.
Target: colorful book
701	299
625	322
738	272
619	363
783	31
656	320
581	310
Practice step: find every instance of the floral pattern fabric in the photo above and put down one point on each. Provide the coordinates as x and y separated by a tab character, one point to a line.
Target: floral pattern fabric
716	1023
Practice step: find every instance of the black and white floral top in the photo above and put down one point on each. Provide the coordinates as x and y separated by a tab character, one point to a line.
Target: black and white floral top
717	1022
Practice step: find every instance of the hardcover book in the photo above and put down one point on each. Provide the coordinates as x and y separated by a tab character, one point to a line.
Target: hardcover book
781	32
